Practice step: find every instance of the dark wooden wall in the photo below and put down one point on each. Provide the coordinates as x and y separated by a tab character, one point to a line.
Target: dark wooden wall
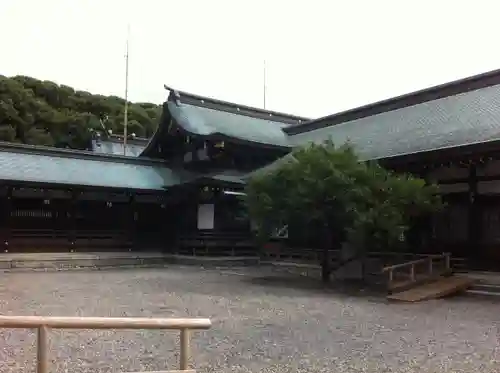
36	219
469	226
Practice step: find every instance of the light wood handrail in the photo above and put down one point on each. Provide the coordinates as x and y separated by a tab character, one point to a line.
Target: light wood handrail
417	261
412	264
406	264
43	324
26	322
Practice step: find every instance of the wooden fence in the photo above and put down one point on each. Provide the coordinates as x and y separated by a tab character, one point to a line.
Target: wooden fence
44	324
216	244
306	255
416	271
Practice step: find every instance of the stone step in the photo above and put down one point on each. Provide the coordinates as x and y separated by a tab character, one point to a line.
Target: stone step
439	288
481	292
482	288
56	261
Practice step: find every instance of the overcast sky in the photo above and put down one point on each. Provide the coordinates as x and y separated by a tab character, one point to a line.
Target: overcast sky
322	56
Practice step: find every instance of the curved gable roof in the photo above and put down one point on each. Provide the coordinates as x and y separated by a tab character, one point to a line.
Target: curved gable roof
208	117
203	121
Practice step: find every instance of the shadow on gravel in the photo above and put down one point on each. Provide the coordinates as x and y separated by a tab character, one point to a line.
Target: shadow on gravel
314	286
230	282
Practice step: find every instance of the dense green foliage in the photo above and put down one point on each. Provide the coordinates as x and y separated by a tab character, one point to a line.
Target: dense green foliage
328	191
44	113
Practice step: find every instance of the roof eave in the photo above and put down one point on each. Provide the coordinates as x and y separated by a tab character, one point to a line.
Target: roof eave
237	140
486	148
72	153
69	186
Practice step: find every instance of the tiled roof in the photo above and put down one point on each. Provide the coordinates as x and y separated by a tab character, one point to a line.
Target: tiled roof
116	148
213	118
227	176
471	116
72	168
270	167
209	122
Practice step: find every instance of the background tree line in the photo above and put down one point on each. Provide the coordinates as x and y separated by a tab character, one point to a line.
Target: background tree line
41	112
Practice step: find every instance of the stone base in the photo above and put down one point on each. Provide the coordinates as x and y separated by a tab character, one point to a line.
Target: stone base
61	261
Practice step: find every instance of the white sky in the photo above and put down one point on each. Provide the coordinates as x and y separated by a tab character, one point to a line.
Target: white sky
322	56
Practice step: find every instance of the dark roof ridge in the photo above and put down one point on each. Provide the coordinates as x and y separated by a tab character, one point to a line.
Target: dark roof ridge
72	153
232	107
453	88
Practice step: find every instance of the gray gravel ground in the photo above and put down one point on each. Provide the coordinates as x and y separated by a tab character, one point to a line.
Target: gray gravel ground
263	322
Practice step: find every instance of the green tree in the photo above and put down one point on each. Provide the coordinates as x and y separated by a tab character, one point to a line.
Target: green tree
328	191
40	112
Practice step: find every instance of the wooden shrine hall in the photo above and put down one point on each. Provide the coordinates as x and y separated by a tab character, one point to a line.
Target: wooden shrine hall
181	188
184	182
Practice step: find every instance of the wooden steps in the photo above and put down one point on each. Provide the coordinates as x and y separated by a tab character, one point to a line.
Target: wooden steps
439	288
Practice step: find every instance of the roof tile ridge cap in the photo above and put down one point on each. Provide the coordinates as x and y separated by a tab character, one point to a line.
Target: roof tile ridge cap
292	119
175	94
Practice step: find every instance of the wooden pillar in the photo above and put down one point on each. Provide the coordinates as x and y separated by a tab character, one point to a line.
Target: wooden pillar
8	218
166	239
474	217
133	215
71	218
428	240
42	350
53	208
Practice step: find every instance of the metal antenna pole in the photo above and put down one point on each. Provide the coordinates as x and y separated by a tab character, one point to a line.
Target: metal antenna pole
264	86
125	113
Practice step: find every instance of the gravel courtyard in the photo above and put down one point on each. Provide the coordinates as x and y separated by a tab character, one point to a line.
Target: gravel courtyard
263	322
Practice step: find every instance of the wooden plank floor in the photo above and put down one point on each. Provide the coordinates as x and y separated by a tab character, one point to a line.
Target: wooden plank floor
437	289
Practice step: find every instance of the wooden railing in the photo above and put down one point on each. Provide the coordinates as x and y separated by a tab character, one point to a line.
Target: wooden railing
406	274
296	254
216	244
314	255
44	324
60	238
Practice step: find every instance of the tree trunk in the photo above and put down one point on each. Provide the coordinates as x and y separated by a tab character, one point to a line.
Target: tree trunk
326	264
363	267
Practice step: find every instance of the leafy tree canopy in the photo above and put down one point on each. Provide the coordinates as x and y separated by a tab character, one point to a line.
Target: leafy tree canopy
330	192
40	112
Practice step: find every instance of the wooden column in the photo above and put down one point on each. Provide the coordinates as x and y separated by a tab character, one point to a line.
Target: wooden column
133	221
8	218
428	239
71	218
474	217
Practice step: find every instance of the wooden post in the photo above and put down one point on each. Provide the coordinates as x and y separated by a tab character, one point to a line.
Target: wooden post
185	350
447	261
474	218
8	218
133	221
412	272
42	350
71	216
45	324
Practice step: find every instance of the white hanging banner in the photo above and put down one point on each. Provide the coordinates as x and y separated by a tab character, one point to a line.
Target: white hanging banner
206	216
